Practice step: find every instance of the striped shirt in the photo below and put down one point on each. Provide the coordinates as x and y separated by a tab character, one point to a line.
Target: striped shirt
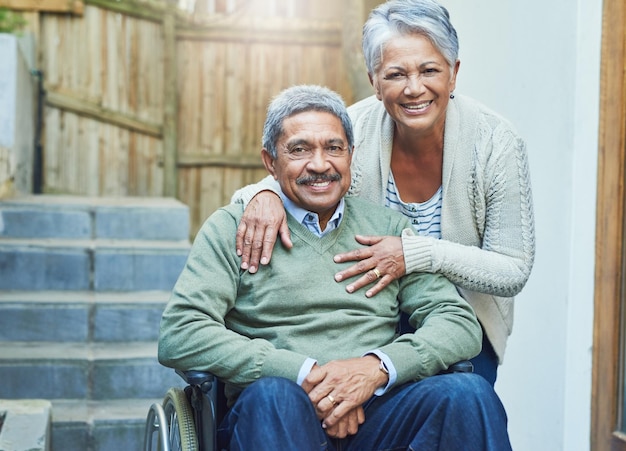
424	216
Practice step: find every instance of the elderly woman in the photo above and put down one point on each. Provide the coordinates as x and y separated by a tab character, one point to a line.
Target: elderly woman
458	170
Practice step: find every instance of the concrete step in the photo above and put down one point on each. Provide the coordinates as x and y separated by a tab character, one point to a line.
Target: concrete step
81	316
25	425
111	425
100	265
82	371
78	217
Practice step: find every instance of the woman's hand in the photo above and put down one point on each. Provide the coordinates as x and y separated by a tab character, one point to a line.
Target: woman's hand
382	262
256	234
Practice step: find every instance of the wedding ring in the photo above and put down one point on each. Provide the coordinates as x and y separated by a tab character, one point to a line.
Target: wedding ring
377	272
332	400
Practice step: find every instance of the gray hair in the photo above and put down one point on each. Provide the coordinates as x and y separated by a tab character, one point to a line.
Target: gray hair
405	17
299	99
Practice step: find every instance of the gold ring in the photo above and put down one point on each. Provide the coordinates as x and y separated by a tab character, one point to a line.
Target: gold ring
332	400
377	272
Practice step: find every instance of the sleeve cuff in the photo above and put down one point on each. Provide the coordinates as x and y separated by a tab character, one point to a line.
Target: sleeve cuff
305	369
393	374
417	251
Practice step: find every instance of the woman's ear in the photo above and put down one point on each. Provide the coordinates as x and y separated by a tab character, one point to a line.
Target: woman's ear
268	162
455	71
375	86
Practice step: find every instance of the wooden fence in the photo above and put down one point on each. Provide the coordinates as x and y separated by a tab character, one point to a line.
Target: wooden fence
153	98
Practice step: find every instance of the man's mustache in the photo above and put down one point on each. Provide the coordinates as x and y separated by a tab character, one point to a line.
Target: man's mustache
318	178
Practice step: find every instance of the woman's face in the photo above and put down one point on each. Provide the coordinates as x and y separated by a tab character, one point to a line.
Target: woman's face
414	82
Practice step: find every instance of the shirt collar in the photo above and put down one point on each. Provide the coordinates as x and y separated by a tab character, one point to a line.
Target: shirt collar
310	219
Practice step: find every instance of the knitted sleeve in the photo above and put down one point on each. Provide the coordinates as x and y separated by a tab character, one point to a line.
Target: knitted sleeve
244	195
500	193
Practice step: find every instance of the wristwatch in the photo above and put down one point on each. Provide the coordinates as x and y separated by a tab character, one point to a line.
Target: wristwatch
382	367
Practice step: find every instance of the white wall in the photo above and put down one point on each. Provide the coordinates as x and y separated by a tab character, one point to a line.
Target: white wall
537	63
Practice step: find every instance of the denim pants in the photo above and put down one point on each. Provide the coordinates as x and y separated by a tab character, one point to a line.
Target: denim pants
458	411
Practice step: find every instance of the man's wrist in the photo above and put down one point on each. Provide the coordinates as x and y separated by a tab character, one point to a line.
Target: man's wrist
382	377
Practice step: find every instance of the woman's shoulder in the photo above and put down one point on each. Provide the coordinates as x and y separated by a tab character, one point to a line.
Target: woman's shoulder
471	109
364	108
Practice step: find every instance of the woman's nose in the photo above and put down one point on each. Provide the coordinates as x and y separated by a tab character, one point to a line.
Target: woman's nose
414	85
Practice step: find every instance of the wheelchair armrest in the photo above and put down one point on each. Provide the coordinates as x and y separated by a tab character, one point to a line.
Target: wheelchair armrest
195	377
464	366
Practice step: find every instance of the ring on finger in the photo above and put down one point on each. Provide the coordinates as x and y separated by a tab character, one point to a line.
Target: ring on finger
377	272
331	399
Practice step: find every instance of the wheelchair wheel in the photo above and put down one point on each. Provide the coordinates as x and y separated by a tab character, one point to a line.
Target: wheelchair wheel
179	415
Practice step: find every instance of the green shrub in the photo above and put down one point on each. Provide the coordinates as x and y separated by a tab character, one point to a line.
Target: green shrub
10	21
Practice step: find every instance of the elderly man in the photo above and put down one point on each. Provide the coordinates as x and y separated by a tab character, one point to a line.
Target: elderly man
307	365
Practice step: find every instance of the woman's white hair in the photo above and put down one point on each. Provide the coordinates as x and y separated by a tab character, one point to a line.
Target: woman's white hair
405	17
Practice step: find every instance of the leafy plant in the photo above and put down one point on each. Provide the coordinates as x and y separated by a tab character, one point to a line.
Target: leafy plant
10	21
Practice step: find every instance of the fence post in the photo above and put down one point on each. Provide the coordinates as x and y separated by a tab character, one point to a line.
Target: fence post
170	102
354	14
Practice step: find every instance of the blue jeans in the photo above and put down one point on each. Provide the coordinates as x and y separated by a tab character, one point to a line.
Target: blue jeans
486	363
457	411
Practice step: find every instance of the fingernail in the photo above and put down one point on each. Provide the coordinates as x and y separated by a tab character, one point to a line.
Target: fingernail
239	252
244	265
368	294
338	278
349	288
336	259
252	269
264	261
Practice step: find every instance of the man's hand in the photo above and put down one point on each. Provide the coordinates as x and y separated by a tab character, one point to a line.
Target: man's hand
257	231
346	425
339	387
382	262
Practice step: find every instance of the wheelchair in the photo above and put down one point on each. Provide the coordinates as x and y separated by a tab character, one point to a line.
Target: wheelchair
188	418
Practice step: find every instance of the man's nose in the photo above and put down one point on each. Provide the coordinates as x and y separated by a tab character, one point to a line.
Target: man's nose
318	161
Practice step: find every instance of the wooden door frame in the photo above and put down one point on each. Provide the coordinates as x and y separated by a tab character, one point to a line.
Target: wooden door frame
609	258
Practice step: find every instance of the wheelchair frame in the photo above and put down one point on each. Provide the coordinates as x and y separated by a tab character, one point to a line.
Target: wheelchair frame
201	406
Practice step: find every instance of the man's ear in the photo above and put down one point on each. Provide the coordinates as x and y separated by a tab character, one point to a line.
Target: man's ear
268	162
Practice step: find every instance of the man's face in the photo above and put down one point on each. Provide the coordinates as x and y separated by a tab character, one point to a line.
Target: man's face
313	162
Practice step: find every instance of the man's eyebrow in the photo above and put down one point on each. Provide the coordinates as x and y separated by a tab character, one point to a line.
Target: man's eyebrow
296	142
335	141
304	142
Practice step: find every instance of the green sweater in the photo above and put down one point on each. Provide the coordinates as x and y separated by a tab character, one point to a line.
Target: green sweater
243	326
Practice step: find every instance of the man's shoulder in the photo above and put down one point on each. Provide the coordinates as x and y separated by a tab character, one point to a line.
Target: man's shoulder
361	209
230	213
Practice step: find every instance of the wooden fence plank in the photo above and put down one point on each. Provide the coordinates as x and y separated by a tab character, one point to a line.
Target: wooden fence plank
231	161
57	6
78	105
170	99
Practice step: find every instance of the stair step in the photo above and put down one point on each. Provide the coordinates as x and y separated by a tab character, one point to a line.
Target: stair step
25	424
80	316
82	371
110	425
103	265
52	216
